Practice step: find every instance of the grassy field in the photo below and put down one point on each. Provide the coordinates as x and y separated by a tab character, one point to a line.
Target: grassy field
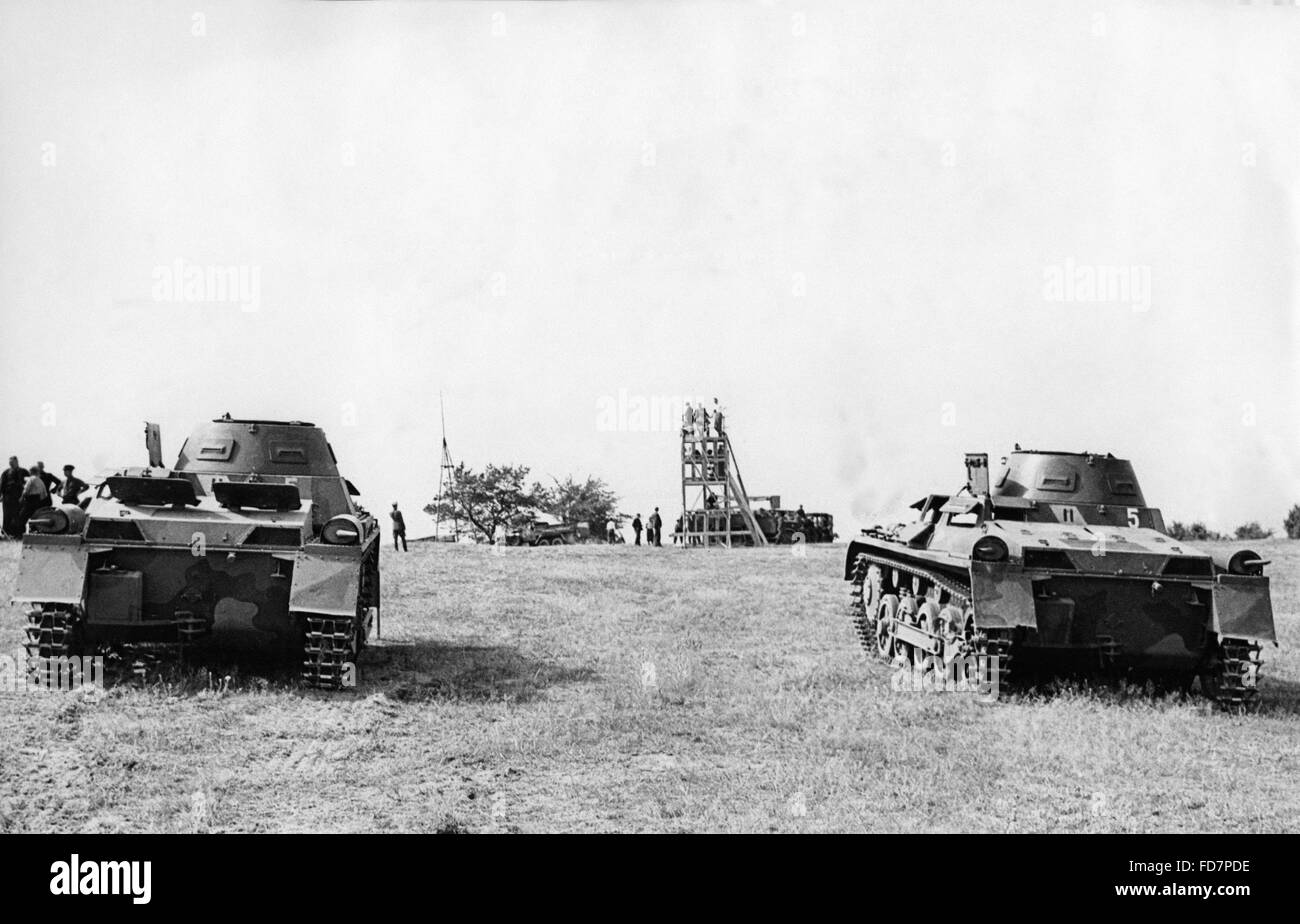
624	689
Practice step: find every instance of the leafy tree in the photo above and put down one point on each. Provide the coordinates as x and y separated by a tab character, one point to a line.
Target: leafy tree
575	501
1292	523
496	497
1197	532
1252	530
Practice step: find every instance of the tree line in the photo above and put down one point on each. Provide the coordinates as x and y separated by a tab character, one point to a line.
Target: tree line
1198	531
501	496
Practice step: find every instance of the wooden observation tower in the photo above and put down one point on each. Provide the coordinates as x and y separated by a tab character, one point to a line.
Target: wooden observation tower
715	508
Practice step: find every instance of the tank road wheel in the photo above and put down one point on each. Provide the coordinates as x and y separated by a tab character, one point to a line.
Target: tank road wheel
927	617
950	623
53	634
906	614
1232	677
886	615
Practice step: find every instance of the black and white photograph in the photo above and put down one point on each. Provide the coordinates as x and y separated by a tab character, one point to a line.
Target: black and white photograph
797	417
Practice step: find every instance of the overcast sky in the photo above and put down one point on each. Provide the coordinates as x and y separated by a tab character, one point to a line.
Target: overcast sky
868	229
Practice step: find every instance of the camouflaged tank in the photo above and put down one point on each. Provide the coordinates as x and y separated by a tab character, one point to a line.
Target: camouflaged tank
1059	567
252	541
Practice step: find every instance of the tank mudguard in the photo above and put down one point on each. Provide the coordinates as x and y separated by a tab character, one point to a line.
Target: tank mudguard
1242	608
326	580
854	548
52	570
1002	596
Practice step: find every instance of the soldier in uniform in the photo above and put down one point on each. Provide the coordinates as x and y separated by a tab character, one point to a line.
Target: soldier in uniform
35	496
636	528
399	527
657	527
52	484
12	481
701	422
72	486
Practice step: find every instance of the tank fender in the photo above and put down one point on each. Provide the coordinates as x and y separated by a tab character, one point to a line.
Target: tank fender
1003	597
1242	607
52	570
854	548
327	580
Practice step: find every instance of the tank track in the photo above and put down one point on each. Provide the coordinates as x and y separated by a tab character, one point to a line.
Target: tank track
328	647
332	643
1233	679
864	622
982	644
51	635
1000	647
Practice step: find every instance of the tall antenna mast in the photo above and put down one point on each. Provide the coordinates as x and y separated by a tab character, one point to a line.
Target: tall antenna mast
446	482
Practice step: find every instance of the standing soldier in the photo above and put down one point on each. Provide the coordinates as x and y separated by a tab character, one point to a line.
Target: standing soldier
399	527
701	422
35	496
717	417
52	484
688	419
12	481
72	486
657	527
636	528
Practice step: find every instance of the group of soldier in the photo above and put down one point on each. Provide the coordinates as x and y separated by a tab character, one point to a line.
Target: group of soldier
653	528
696	419
24	491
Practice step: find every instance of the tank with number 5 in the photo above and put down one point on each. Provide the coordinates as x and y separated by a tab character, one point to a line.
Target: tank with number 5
1055	567
251	542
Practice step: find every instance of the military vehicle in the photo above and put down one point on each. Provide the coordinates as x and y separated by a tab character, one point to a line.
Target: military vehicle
1060	567
539	532
252	541
781	526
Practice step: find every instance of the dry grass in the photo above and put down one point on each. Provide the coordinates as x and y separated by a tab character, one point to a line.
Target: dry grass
594	688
